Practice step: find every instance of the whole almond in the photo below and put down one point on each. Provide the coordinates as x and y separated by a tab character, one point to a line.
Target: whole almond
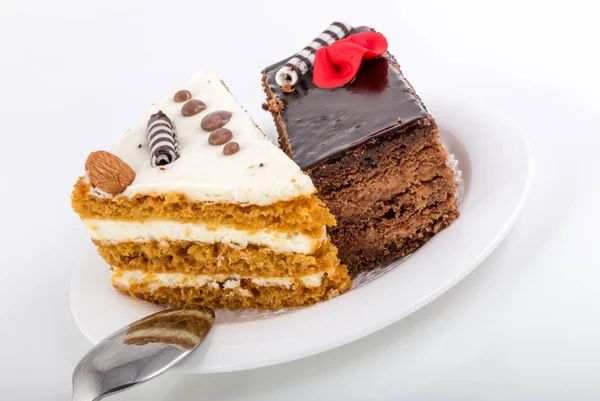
108	173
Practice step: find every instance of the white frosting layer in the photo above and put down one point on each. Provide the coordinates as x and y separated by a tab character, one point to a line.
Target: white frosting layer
127	278
203	172
133	231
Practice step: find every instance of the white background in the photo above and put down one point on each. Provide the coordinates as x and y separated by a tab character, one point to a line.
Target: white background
524	326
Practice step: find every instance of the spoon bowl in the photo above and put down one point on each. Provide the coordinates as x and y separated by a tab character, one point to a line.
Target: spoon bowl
140	352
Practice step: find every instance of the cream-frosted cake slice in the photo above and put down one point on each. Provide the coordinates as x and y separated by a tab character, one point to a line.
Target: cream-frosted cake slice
195	206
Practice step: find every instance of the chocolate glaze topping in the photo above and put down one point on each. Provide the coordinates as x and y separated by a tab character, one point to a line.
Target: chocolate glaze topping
323	123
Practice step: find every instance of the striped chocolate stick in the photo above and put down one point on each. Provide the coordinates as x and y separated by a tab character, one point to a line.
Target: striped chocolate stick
162	140
297	66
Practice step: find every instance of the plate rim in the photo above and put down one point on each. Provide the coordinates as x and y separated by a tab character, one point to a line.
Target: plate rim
192	365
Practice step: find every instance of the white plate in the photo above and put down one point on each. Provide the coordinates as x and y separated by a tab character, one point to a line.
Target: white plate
496	166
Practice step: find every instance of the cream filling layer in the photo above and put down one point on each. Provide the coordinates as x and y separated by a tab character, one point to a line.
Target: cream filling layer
115	231
154	281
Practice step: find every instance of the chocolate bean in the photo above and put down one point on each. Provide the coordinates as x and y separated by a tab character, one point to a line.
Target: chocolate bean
231	148
220	136
192	107
182	96
215	120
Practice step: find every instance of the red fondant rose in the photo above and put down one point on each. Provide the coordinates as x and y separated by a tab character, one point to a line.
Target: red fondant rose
338	63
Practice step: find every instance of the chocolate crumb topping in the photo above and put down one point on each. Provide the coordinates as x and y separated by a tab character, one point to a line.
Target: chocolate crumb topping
275	105
139	146
287	88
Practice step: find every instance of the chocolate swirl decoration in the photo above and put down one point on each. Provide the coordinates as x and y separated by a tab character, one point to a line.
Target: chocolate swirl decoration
298	65
162	140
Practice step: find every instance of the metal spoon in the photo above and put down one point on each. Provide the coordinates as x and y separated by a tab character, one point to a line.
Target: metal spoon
140	352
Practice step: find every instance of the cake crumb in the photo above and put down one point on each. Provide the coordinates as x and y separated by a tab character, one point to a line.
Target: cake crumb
399	120
288	88
139	146
162	168
261	165
274	106
223	83
293	180
251	166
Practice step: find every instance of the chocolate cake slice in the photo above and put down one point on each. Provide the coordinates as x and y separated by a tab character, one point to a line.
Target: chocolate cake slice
373	152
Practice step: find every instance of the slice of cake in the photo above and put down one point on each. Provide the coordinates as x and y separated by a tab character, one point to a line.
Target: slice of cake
195	206
370	146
